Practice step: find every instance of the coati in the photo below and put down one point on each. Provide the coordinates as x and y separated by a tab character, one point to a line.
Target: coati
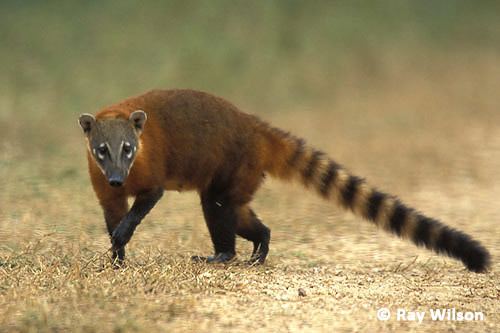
191	140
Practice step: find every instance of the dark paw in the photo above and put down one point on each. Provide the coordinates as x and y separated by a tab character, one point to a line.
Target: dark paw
120	237
221	257
118	264
118	258
260	251
256	259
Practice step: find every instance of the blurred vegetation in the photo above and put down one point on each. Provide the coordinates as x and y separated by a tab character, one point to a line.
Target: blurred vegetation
65	57
62	58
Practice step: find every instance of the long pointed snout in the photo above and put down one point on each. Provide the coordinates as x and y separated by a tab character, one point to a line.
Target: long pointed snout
113	161
116	177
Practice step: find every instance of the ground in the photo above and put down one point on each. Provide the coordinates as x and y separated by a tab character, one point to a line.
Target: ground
435	143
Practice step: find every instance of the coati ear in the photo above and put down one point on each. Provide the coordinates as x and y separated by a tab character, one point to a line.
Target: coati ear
138	119
86	121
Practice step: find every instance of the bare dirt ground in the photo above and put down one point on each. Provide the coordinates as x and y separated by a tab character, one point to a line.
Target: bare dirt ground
434	141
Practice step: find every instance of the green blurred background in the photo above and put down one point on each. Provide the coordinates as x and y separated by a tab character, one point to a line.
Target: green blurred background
60	58
363	74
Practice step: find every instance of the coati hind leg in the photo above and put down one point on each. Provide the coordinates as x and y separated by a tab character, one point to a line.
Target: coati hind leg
250	227
227	213
221	218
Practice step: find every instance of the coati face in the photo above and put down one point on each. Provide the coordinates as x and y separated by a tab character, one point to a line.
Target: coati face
114	143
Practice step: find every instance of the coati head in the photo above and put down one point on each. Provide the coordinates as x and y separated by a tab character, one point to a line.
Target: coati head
113	143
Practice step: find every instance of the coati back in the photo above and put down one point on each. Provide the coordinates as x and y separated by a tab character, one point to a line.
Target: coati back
190	140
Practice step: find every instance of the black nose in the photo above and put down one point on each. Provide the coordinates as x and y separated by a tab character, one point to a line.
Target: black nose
115	181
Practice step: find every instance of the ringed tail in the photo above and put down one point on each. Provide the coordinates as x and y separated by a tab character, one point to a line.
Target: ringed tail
290	158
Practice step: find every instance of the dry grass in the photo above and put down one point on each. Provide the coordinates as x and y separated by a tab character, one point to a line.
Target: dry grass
405	95
435	142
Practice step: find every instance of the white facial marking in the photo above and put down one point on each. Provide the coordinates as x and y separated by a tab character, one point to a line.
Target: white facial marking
120	151
127	144
99	165
99	154
109	147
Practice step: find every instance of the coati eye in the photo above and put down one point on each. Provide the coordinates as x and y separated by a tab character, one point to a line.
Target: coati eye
101	151
127	149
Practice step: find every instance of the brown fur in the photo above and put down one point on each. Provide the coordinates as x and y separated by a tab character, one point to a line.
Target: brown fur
188	139
195	141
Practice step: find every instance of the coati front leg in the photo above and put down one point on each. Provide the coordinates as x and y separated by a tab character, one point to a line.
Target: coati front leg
143	203
114	211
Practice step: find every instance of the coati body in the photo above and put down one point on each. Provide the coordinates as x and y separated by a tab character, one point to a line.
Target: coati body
195	141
